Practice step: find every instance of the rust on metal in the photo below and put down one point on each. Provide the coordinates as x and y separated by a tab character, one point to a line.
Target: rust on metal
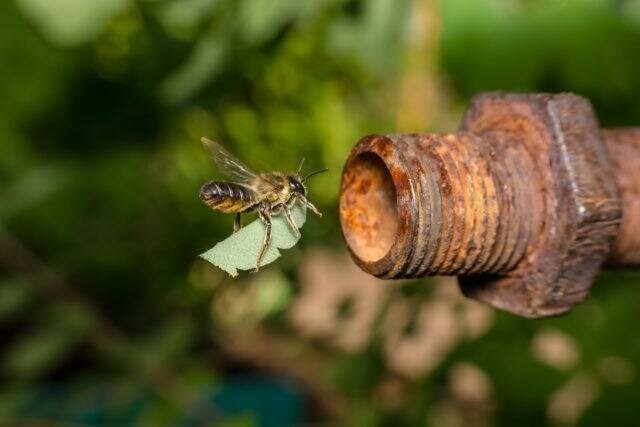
524	204
624	147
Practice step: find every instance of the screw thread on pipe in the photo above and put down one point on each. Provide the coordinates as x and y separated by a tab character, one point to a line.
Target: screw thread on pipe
415	205
624	147
525	205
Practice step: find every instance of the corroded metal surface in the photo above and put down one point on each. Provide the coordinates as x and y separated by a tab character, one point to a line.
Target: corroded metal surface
522	204
582	209
414	205
624	146
381	197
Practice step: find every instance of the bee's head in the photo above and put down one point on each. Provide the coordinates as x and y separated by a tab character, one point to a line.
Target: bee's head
296	182
296	186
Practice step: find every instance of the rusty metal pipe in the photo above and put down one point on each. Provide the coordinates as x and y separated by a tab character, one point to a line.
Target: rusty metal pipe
525	203
624	148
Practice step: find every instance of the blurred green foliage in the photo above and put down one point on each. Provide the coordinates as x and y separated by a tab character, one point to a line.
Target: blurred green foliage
103	104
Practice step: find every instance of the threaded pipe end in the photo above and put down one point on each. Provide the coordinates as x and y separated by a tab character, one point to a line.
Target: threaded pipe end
415	205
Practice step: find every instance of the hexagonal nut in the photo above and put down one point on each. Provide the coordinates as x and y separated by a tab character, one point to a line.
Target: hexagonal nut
582	208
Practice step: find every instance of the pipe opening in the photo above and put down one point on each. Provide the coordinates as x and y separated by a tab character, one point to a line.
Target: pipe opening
368	207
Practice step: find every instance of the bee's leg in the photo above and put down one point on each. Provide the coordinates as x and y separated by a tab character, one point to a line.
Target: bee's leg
265	217
291	202
311	206
237	223
287	206
292	224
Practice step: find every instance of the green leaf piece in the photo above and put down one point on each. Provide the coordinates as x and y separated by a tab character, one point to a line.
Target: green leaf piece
240	250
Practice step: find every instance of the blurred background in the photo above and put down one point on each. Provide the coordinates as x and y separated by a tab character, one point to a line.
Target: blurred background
109	318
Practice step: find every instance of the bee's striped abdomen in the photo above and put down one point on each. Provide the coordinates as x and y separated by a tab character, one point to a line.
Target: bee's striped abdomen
227	197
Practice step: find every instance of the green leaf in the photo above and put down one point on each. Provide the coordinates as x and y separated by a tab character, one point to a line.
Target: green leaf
262	19
376	37
240	250
71	22
182	17
37	353
202	67
14	297
29	190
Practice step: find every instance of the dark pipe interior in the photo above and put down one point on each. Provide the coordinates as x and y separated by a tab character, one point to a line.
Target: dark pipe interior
368	209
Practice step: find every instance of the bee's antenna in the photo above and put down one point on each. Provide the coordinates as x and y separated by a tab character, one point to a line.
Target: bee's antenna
314	173
300	166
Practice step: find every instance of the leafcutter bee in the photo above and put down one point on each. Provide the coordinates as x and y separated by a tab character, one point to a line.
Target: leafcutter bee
267	193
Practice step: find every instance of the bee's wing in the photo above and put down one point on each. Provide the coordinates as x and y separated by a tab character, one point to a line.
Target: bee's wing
271	181
227	163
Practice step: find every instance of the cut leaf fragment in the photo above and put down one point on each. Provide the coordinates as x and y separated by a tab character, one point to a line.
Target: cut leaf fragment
240	250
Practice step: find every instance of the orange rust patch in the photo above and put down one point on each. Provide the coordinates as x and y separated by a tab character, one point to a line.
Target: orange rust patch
368	207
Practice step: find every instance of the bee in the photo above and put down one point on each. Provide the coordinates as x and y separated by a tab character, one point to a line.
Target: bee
267	193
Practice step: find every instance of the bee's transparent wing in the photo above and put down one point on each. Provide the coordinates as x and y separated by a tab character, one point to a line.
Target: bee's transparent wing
227	163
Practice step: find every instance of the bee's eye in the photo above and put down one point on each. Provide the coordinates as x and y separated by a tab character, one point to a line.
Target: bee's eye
296	186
